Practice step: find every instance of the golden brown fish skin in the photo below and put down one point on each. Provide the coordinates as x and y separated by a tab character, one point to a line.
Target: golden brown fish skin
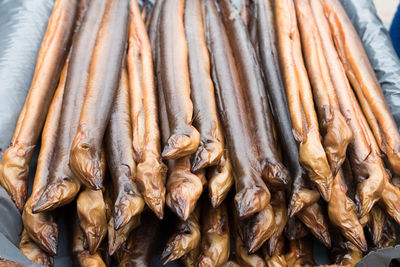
92	217
52	54
278	203
230	263
343	214
117	237
252	195
244	258
183	187
220	180
140	245
256	99
184	138
389	236
33	252
118	143
257	229
190	259
151	172
41	228
366	164
363	79
391	198
334	129
300	195
63	185
185	239
277	259
206	121
377	219
81	256
314	218
215	245
300	253
104	76
299	97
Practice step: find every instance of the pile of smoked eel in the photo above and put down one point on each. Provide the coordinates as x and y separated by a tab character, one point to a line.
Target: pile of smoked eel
259	127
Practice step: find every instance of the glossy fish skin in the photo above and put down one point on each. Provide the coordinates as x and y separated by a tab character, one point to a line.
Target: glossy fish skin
184	138
257	229
336	133
92	217
363	153
252	194
215	244
277	259
342	213
64	185
256	99
183	187
314	218
185	239
33	252
300	253
278	203
51	58
82	256
206	120
119	152
220	179
300	195
300	101
104	75
244	258
151	171
41	228
364	82
140	245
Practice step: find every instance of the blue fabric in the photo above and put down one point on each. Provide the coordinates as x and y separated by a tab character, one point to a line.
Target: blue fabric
394	31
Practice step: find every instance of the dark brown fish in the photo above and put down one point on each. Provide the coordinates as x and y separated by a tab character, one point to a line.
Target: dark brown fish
119	152
256	99
300	194
205	118
252	195
140	245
